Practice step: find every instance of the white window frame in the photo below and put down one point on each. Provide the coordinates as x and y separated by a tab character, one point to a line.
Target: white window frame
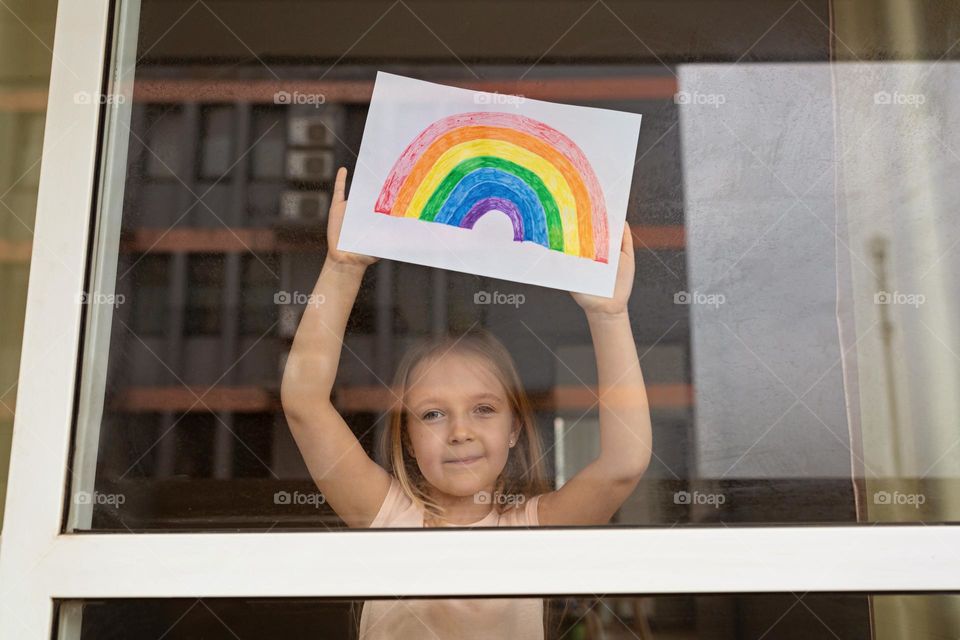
39	563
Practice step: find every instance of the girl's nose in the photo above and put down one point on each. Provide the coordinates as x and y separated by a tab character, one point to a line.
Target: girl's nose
460	429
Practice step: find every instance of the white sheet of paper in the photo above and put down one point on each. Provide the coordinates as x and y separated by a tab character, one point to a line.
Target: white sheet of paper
403	108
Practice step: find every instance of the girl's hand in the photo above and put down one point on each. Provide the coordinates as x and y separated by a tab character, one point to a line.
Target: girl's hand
338	206
621	292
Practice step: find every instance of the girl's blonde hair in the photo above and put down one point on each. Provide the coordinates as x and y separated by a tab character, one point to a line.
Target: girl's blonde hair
524	472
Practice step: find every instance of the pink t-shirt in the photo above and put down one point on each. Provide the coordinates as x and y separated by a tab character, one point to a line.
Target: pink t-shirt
462	619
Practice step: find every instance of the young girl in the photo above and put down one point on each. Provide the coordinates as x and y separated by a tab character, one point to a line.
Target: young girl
461	448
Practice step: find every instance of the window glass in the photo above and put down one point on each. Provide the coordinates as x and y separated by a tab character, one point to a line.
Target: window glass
791	215
773	616
25	61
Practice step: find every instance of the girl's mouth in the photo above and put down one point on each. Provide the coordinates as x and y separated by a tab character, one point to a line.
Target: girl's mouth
464	461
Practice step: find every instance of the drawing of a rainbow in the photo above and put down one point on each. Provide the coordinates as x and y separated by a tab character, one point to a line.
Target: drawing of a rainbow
466	165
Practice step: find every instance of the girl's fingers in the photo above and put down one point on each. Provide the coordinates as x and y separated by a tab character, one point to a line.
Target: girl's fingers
340	185
626	245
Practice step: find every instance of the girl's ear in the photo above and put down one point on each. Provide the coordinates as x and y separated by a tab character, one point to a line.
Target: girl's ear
515	434
406	444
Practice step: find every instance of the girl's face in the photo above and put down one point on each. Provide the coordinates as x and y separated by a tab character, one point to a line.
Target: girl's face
460	423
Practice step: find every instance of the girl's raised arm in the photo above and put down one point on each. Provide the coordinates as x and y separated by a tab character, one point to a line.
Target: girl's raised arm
353	484
593	495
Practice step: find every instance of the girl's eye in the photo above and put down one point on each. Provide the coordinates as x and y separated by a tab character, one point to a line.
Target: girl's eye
486	409
429	415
